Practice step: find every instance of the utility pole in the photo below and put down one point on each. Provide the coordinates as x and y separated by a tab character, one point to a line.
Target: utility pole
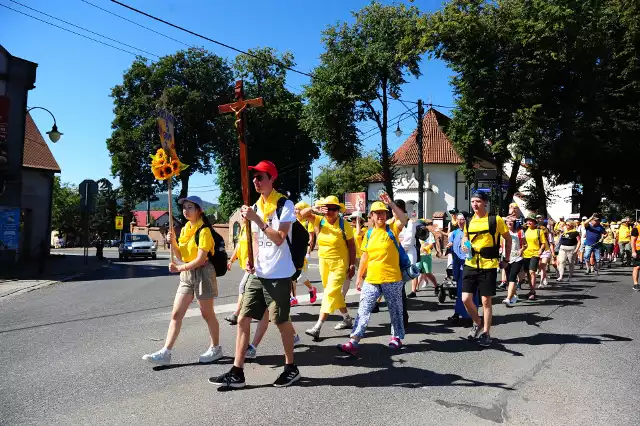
420	161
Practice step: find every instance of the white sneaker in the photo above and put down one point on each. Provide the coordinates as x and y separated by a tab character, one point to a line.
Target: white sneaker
296	341
423	286
161	357
545	282
559	279
212	354
344	324
510	302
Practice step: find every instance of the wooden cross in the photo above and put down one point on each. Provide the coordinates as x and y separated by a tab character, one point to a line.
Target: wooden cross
238	108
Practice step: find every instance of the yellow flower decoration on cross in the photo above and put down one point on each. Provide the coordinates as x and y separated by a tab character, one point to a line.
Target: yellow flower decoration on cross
164	167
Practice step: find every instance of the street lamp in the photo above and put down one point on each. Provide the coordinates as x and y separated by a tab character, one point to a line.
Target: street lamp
398	133
54	134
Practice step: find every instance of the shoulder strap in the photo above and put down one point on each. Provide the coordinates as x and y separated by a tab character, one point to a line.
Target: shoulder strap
493	228
280	206
368	236
341	224
393	238
539	239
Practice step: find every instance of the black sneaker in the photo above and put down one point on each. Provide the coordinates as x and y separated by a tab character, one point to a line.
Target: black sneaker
484	340
502	286
376	308
412	295
288	376
229	380
636	287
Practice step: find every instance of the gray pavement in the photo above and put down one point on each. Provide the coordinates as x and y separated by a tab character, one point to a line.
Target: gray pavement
71	355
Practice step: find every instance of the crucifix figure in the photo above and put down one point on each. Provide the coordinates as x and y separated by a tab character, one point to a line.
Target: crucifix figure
238	108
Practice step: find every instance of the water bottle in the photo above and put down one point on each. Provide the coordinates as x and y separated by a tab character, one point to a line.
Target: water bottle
467	244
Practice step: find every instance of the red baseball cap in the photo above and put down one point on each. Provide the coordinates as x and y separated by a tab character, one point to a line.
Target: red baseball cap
267	167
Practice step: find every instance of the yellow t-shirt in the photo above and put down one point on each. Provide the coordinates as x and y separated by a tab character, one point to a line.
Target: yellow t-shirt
481	241
187	241
533	242
609	237
359	238
331	243
243	247
558	227
624	234
383	264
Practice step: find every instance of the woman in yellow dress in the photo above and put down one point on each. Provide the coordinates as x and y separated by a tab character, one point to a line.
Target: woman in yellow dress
337	258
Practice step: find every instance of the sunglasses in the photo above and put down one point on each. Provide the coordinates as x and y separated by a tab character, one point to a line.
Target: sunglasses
259	178
333	208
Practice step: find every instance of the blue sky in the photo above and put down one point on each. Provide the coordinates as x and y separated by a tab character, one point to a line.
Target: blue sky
75	75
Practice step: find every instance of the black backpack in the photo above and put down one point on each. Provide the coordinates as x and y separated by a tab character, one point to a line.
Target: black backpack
299	237
219	257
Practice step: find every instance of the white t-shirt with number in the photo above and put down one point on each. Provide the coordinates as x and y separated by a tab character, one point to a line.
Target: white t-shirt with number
272	261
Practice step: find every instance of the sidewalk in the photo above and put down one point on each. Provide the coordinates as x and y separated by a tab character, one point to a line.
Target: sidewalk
30	275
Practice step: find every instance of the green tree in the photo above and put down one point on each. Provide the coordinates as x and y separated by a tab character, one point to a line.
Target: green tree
65	212
363	66
190	84
555	83
351	176
273	132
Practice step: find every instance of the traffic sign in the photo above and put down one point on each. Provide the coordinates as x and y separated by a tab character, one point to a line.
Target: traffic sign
119	222
88	192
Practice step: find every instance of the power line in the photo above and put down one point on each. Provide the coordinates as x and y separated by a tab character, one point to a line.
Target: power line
295	90
136	23
72	32
82	28
235	49
378	132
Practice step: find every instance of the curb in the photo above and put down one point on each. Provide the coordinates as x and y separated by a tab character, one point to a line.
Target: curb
48	283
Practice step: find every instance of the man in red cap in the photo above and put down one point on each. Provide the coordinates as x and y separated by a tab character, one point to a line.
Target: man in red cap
269	282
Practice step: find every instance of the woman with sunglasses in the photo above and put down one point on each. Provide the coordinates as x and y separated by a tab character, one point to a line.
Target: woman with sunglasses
381	261
337	258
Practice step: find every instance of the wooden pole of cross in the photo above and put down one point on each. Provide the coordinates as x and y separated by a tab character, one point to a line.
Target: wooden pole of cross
238	108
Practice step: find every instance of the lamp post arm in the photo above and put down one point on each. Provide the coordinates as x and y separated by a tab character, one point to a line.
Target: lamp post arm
50	113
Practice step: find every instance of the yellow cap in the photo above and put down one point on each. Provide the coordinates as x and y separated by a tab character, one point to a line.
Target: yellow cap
302	205
614	223
378	206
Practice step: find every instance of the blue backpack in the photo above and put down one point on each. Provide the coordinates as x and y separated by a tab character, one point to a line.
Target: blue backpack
409	270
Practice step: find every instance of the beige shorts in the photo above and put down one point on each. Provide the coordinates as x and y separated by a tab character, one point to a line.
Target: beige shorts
200	282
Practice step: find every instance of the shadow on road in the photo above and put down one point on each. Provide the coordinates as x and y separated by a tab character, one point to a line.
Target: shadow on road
84	319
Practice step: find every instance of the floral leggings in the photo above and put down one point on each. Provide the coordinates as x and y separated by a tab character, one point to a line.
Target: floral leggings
370	293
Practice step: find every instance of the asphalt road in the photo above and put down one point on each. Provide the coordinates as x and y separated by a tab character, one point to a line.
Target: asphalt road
71	355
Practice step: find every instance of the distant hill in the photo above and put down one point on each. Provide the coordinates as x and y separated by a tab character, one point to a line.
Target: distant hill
162	204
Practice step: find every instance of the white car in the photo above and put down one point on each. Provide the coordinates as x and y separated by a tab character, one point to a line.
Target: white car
137	245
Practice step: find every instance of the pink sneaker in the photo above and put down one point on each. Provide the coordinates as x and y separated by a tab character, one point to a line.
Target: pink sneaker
313	295
395	343
293	301
348	348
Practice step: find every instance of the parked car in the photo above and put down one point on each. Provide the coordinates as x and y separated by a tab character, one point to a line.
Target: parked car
137	245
